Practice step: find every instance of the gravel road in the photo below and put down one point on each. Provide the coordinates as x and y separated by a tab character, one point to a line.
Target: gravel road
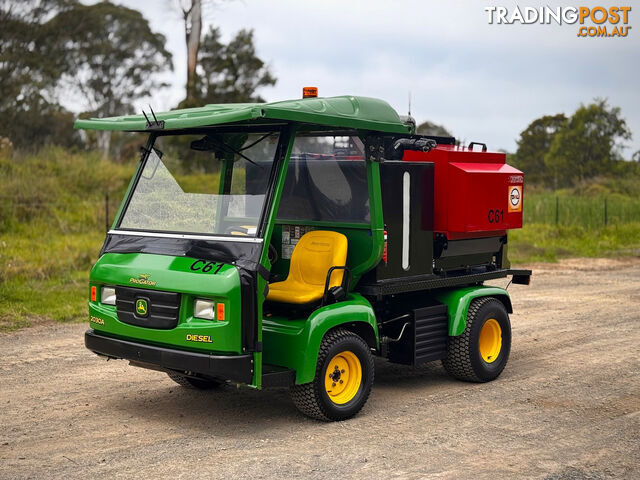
566	407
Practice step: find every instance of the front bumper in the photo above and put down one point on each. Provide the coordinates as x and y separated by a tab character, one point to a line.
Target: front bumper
237	368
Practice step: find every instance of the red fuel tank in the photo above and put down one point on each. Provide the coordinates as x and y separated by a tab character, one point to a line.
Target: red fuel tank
475	192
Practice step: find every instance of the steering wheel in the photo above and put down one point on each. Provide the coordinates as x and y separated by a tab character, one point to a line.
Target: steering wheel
273	254
244	231
237	229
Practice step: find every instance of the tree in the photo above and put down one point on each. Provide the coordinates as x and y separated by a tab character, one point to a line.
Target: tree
29	72
192	14
112	58
430	128
217	72
231	73
589	145
534	144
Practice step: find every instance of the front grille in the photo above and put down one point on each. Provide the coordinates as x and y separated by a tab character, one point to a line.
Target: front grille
163	308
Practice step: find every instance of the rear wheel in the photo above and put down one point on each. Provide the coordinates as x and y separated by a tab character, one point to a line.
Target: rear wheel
481	352
192	382
343	381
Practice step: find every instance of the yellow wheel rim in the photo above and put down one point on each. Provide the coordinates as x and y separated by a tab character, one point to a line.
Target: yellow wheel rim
343	377
490	342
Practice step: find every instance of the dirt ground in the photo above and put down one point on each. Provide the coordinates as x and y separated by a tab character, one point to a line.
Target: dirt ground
566	407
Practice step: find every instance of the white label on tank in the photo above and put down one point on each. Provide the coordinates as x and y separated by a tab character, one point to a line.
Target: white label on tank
406	219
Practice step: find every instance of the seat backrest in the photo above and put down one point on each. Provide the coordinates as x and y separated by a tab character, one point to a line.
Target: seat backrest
315	253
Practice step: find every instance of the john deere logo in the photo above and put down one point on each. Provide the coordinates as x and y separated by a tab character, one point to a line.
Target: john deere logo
143	279
141	307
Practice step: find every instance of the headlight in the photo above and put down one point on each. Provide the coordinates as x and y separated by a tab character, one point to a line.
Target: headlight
108	295
204	309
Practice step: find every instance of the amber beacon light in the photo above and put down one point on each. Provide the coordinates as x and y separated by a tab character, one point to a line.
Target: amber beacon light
309	92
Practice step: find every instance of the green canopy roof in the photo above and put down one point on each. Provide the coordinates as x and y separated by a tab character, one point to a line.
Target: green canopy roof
342	112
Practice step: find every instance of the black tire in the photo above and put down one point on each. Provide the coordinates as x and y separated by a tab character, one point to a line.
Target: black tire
312	398
192	382
464	360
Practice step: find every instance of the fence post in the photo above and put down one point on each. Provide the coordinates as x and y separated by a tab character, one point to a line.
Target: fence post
557	207
106	212
605	211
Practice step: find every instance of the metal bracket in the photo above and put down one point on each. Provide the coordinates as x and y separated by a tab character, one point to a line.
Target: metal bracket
155	124
374	149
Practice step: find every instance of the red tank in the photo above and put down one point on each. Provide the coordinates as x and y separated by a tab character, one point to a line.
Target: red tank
476	194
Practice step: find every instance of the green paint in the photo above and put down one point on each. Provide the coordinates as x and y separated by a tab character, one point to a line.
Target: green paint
295	343
286	139
289	343
172	274
343	112
458	300
377	222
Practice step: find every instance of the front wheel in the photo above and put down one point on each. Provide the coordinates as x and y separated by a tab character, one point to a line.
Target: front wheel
481	352
343	381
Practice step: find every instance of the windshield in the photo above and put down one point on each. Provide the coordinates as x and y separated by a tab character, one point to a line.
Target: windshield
217	186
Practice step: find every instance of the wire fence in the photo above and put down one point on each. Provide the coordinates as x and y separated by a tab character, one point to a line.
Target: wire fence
590	212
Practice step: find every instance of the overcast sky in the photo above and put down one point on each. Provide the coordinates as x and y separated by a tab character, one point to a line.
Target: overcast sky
482	82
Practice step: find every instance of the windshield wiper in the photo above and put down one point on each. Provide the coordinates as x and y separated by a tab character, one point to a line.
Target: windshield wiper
257	141
229	148
208	141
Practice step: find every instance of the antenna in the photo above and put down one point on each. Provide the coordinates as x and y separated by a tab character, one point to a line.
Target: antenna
156	124
145	116
409	102
154	115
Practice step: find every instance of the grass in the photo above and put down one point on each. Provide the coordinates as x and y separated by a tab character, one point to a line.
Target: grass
51	230
52	223
538	242
580	230
575	209
52	227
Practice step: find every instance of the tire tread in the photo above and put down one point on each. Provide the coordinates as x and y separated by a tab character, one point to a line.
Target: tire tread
307	396
458	360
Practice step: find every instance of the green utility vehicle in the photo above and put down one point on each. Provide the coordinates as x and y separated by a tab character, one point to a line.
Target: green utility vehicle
321	233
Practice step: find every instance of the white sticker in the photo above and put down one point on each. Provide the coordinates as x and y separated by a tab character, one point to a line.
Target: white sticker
287	250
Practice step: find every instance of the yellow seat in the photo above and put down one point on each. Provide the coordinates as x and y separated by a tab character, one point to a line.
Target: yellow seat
314	254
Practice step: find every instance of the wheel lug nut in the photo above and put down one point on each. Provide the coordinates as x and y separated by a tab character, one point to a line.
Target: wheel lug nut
334	384
340	381
342	371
